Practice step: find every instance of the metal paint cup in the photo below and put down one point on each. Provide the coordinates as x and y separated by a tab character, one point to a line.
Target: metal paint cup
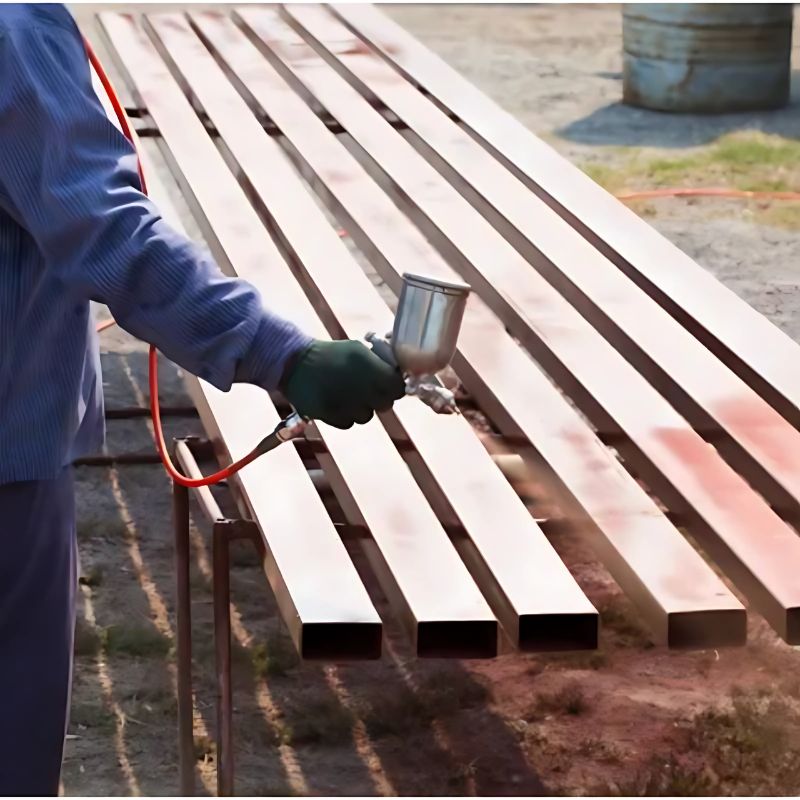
427	323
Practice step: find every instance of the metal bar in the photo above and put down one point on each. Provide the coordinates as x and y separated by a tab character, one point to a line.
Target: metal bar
565	445
728	518
741	337
593	479
759	442
315	594
222	649
183	616
429	583
186	459
531	591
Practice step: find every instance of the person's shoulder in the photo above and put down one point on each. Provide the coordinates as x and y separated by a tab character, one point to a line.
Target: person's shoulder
20	16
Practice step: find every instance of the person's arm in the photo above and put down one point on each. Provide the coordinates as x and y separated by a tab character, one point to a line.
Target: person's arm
68	177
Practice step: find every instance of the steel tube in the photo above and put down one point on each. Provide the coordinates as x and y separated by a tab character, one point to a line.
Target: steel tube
727	517
222	649
734	331
183	615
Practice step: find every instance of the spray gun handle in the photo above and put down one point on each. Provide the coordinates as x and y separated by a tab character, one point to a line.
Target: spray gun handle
382	347
291	427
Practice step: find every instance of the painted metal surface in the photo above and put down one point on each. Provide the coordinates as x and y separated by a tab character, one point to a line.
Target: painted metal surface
421	573
707	57
763	446
301	587
734	331
731	521
510	558
641	548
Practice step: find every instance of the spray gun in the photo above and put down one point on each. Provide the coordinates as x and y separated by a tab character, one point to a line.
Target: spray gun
422	342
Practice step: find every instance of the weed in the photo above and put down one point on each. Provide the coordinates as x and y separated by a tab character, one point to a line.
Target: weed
93	577
113	530
134	640
592	747
322	720
440	695
663	779
87	640
595	660
570	699
91	715
447	692
275	657
396	712
616	616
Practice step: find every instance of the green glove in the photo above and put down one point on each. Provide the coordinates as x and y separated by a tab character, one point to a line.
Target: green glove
341	383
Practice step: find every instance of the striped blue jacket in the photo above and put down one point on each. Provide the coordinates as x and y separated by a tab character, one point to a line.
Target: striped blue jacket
75	227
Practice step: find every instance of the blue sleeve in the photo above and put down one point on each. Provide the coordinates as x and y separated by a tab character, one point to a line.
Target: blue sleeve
68	177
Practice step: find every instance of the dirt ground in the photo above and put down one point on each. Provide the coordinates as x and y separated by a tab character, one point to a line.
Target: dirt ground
628	719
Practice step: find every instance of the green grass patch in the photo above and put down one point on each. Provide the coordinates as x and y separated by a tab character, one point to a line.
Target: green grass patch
134	640
744	160
91	715
274	658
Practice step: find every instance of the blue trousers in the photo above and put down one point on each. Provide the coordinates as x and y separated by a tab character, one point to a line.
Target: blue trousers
38	582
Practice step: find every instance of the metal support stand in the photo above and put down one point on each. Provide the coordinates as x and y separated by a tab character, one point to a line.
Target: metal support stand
224	531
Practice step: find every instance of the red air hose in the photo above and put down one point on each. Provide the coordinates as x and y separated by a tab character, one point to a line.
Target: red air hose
155	411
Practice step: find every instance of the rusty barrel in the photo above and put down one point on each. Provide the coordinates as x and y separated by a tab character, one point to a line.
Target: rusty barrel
706	57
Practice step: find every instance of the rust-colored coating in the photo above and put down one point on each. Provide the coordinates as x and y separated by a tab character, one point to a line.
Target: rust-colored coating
762	445
515	565
729	518
429	584
651	560
742	337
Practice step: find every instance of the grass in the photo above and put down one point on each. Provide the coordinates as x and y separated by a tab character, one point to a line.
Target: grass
110	529
595	660
745	160
617	615
663	778
134	640
274	658
440	695
570	699
599	750
87	639
750	746
91	715
93	577
321	720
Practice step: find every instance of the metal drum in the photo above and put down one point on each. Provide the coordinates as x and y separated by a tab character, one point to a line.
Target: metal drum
707	57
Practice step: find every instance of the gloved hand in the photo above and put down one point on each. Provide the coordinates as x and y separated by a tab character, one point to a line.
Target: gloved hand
341	383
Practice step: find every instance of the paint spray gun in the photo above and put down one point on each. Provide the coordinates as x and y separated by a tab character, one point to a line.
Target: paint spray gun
422	342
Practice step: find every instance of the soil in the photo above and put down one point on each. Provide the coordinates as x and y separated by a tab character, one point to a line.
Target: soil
518	725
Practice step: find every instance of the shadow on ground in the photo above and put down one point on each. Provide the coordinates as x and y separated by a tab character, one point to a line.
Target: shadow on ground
621	125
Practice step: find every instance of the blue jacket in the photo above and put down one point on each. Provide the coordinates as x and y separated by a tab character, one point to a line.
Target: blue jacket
75	227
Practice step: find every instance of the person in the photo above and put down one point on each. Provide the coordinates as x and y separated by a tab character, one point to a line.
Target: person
75	227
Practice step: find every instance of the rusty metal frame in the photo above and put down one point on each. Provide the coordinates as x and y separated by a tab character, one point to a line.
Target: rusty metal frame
224	531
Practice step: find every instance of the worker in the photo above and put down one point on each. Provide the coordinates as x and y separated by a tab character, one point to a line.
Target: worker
76	227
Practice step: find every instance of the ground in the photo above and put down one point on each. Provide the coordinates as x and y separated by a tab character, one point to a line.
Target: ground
629	719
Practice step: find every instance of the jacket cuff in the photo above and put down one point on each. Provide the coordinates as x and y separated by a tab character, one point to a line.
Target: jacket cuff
276	341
